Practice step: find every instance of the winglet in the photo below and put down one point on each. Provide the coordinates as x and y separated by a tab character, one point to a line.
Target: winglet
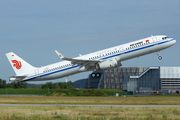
59	54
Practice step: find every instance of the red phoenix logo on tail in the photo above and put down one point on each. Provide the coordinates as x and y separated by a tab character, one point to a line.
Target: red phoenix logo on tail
17	64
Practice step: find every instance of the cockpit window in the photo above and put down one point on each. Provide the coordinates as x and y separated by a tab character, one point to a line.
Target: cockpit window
165	38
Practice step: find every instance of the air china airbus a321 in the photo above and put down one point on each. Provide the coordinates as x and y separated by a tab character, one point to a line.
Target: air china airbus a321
103	59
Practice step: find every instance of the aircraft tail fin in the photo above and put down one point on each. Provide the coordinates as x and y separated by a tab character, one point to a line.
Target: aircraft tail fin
20	66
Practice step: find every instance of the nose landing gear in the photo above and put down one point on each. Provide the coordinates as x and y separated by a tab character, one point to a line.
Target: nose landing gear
159	56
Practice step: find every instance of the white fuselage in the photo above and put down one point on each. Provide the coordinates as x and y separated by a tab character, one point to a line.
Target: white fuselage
121	52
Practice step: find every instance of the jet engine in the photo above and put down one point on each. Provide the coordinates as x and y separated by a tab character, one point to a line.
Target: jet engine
110	63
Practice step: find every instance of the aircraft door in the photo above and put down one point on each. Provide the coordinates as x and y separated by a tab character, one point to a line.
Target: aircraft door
121	49
154	40
36	71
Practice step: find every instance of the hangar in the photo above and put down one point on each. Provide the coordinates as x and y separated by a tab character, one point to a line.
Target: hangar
136	79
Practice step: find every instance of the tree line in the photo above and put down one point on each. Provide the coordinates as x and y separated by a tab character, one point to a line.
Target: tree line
14	85
48	85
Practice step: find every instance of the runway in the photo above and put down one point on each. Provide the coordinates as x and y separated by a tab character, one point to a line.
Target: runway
98	106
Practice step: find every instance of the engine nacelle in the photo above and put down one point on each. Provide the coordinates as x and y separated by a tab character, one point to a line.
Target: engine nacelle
82	69
110	63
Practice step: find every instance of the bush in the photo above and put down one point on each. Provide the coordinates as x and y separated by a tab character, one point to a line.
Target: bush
76	92
60	85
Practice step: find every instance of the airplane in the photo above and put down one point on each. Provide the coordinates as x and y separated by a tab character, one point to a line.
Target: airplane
100	60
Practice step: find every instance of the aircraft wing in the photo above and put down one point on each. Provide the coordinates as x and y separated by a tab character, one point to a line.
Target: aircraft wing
78	61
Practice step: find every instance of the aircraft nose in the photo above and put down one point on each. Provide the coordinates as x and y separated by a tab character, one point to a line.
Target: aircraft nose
174	41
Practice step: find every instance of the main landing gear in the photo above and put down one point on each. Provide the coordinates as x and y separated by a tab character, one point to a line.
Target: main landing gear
159	57
97	75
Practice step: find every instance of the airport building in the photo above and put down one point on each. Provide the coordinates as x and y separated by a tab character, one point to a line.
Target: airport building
136	79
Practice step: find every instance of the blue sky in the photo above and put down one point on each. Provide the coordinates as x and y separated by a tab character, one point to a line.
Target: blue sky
34	29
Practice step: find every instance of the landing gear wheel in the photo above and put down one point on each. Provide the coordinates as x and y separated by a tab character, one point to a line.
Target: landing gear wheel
93	75
98	75
159	57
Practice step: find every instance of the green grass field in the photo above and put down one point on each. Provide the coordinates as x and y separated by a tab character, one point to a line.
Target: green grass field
88	113
146	100
29	112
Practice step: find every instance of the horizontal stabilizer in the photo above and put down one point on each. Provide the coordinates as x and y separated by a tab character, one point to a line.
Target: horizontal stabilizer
22	77
16	78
